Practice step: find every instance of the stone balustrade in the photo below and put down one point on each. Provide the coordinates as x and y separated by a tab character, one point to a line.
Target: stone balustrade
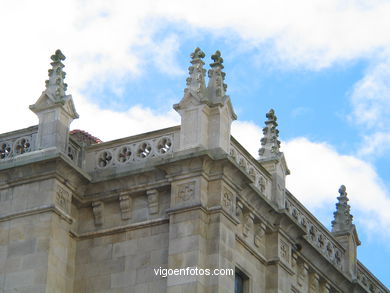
368	281
316	234
251	167
17	142
131	150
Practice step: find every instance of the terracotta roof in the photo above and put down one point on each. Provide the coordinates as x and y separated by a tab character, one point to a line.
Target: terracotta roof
83	136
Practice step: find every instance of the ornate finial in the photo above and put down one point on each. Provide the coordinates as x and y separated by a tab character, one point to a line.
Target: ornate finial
216	87
218	60
195	82
58	56
343	190
270	144
342	217
197	54
55	86
271	115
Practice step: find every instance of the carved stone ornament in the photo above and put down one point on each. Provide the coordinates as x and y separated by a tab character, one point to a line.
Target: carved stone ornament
98	210
325	288
125	204
63	199
227	200
284	251
314	283
185	191
152	201
259	234
302	274
248	224
239	208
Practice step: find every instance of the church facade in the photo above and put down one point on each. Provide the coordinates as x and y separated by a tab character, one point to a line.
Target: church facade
183	209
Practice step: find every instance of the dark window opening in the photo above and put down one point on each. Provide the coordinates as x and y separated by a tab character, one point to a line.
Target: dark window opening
240	282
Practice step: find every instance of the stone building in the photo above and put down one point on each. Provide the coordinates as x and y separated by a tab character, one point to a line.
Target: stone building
78	215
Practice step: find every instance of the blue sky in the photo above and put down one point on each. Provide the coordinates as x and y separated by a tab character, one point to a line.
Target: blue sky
323	66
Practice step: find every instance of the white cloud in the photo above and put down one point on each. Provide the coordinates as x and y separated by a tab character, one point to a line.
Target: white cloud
248	134
109	125
109	41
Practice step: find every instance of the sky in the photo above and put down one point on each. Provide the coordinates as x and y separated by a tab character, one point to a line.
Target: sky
324	66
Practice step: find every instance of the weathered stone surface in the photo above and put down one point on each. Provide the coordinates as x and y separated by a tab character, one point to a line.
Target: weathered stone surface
103	217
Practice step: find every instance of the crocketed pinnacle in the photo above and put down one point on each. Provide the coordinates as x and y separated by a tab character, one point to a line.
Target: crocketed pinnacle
55	86
269	143
196	82
342	218
216	87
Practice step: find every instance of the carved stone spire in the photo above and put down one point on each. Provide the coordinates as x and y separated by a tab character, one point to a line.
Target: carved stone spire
342	217
216	87
270	143
195	82
55	85
206	113
273	159
345	232
54	108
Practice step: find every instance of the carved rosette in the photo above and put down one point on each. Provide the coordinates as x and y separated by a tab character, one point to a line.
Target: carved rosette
185	192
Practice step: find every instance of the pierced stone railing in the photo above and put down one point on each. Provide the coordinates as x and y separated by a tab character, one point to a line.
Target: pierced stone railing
251	167
132	150
17	142
368	281
316	233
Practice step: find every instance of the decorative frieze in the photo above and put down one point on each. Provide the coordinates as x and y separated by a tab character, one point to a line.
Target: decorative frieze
125	205
13	146
316	235
98	210
131	152
367	282
258	178
153	196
